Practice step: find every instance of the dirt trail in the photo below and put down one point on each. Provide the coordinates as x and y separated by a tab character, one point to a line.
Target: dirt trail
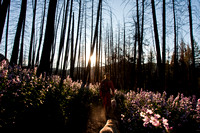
96	120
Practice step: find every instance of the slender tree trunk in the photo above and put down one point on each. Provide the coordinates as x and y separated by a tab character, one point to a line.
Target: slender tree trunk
108	42
193	73
72	50
22	16
67	47
95	37
32	34
124	50
89	62
111	45
164	46
100	44
191	33
55	39
156	36
175	45
3	11
22	44
6	42
134	57
41	33
118	55
139	48
142	27
85	40
62	36
48	40
77	34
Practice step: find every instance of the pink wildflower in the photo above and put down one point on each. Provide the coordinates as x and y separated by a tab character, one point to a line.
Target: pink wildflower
156	116
149	111
146	119
154	121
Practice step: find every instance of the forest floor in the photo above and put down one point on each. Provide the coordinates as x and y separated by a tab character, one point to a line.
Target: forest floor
96	120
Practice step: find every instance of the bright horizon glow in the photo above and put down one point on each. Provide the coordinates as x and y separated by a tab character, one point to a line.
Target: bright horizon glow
93	60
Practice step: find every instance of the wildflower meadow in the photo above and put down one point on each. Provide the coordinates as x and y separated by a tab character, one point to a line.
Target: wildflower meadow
27	100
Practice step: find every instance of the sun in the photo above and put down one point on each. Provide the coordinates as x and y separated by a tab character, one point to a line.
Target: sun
93	60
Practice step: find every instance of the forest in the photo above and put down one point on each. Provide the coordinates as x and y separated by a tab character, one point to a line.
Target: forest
65	42
148	45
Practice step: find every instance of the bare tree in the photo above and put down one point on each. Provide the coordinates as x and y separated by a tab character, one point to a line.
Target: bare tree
48	40
67	46
94	39
32	34
62	36
191	33
5	5
72	50
164	45
22	16
156	36
6	41
22	44
41	33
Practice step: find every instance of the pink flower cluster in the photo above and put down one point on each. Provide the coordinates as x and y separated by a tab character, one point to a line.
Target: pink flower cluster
154	119
147	106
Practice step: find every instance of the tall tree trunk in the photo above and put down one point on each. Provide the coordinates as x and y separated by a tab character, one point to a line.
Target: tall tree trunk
124	50
164	46
3	11
111	44
58	16
67	47
100	43
48	40
62	36
139	84
175	45
191	33
85	40
95	37
22	44
77	33
194	81
22	16
72	50
32	34
89	62
41	33
156	36
108	42
6	42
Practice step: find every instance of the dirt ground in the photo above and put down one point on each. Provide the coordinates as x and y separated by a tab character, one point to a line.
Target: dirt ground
97	119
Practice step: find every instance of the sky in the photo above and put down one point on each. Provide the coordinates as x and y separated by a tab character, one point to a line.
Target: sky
120	9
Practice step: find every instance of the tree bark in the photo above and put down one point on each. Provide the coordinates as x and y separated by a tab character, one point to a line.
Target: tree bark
22	16
191	33
67	47
139	48
77	34
48	40
22	45
164	45
72	50
156	36
6	41
32	34
94	39
3	11
41	33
